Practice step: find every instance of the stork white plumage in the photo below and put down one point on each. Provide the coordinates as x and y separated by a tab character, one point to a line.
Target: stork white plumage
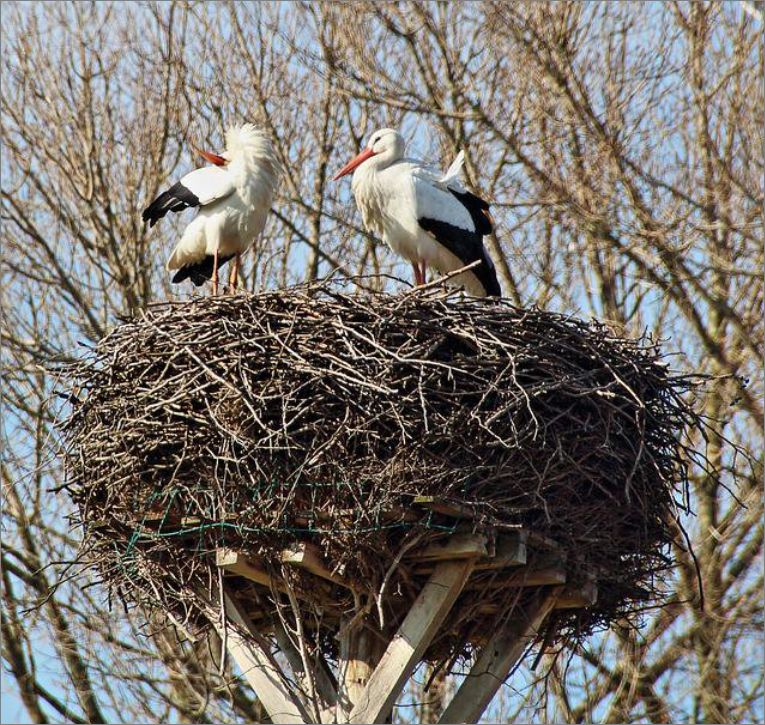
428	218
233	196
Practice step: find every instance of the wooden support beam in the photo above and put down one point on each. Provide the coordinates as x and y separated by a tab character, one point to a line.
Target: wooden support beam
308	556
395	513
259	667
545	542
457	510
458	546
235	563
549	570
197	520
496	659
411	640
510	551
555	574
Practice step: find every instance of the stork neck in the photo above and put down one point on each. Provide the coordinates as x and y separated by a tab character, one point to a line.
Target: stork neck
364	176
246	169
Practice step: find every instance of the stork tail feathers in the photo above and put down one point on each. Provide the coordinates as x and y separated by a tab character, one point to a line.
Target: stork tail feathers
200	272
467	247
454	170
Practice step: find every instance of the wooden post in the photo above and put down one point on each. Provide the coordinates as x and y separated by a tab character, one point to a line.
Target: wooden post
369	680
259	668
360	651
497	658
410	641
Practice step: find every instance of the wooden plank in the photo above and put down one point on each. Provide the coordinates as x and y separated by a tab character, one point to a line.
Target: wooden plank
399	513
543	541
395	513
447	508
495	661
510	551
569	598
173	518
546	570
576	597
461	511
260	668
537	577
458	546
411	640
308	556
234	562
197	520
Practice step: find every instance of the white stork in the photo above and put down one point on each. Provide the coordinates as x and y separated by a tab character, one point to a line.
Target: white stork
429	219
233	196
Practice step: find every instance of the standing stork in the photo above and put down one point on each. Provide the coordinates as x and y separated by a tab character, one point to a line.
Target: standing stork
233	196
429	219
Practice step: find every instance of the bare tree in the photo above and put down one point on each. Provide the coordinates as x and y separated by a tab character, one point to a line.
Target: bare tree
622	147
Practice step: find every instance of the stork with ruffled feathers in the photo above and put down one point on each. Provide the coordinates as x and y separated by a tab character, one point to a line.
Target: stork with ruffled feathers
233	196
430	219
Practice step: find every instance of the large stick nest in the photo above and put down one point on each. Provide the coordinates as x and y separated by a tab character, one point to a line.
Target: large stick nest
308	415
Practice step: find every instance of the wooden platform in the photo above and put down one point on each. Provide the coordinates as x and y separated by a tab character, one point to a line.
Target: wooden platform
382	639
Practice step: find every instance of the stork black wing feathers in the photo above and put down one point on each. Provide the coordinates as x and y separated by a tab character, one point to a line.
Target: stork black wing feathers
176	198
467	246
200	272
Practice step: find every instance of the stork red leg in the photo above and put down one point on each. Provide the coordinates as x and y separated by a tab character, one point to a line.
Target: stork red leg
234	276
417	274
215	272
423	271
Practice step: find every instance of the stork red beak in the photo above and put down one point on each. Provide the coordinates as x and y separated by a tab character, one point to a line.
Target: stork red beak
211	157
353	163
